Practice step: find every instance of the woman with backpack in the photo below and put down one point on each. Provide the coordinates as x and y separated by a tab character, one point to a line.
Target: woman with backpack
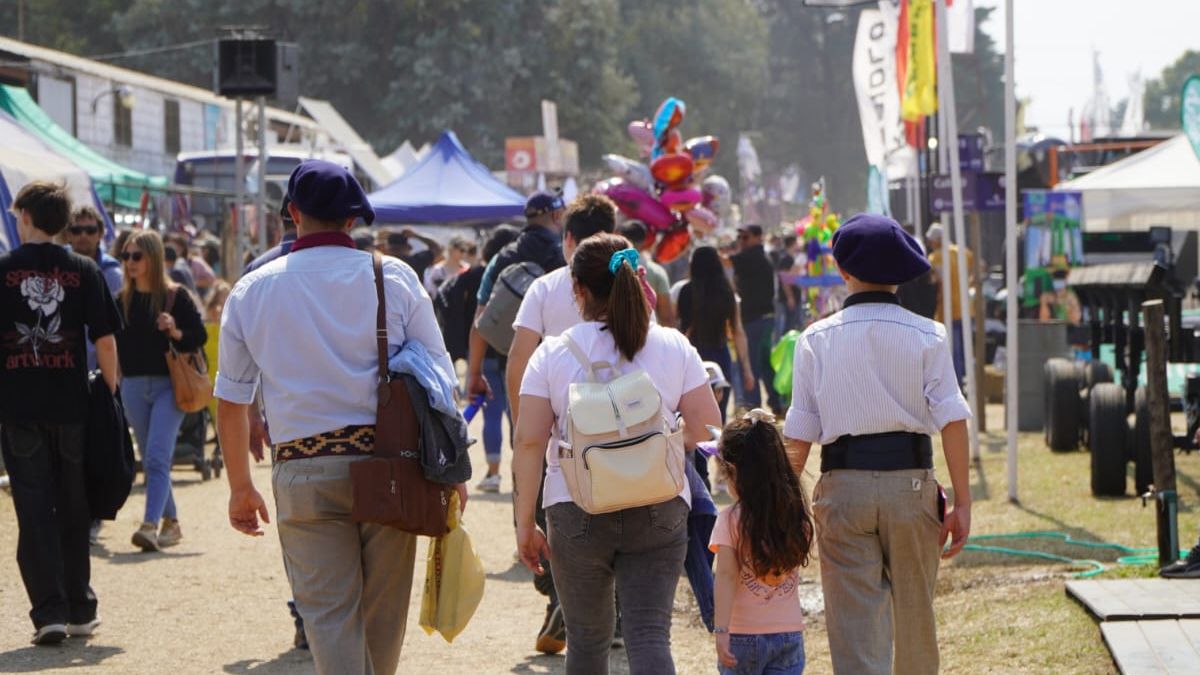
608	391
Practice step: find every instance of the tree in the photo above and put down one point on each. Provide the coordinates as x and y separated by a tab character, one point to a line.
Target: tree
1161	100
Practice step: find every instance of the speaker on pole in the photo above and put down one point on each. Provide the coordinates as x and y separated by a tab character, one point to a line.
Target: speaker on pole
246	67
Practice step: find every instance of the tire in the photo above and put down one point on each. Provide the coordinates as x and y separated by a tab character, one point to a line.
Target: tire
1109	436
1063	419
1143	471
1096	372
205	470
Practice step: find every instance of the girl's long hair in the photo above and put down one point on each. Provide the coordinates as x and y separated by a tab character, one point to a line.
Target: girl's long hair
712	299
616	299
775	530
151	246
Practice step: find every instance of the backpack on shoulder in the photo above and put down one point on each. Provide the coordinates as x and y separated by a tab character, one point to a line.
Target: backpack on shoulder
496	322
620	449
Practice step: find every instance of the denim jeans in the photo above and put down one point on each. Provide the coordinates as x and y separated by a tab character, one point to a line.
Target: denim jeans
494	410
150	406
766	654
45	467
641	550
760	338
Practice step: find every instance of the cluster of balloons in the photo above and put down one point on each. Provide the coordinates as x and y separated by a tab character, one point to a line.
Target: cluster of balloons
671	194
817	233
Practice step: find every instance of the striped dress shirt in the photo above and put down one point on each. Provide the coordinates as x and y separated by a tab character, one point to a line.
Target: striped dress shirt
873	367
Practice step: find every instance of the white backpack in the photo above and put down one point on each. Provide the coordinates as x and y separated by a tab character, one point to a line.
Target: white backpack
619	450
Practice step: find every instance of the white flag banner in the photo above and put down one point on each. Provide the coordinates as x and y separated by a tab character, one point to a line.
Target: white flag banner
960	20
874	69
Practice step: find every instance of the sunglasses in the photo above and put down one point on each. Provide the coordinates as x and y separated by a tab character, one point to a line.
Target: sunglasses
84	229
135	256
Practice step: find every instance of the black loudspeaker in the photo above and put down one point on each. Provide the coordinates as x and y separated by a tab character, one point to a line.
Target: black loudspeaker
246	67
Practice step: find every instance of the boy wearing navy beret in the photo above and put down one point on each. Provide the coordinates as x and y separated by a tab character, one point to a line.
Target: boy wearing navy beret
872	384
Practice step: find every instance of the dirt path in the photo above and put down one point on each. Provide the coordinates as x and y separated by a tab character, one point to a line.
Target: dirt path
216	603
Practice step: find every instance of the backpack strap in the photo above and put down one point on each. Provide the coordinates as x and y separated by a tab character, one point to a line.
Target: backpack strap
593	368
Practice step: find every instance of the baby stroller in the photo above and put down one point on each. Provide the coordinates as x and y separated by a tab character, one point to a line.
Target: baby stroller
196	432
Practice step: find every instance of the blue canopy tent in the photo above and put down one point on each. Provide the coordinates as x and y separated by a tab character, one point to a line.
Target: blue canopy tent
446	186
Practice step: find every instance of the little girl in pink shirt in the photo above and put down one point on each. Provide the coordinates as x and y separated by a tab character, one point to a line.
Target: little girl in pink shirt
761	541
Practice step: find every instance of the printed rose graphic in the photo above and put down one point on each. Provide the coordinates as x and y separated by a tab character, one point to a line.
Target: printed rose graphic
43	294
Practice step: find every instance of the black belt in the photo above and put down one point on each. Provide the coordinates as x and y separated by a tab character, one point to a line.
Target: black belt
894	451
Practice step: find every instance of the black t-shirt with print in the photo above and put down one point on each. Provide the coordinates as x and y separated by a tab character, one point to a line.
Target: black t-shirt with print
48	297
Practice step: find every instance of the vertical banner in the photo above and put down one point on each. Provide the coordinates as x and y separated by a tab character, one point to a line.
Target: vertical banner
920	81
960	19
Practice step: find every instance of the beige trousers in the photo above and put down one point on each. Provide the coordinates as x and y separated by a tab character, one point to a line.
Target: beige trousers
351	581
877	537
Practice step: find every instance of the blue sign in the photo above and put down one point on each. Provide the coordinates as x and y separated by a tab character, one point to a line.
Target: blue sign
970	152
981	192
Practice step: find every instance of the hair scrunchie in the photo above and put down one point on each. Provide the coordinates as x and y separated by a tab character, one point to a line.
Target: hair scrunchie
628	255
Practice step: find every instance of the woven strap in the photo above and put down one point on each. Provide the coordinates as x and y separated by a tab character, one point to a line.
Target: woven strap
380	318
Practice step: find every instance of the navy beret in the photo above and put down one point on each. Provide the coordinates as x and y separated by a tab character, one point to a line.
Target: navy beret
329	192
875	249
543	201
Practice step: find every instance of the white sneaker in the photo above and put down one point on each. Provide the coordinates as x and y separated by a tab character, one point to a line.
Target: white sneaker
3	481
489	484
83	629
50	634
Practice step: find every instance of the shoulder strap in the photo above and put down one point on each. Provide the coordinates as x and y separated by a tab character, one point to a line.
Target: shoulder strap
593	368
171	293
380	317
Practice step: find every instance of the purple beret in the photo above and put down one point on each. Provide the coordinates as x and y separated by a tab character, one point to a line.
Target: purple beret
329	192
877	250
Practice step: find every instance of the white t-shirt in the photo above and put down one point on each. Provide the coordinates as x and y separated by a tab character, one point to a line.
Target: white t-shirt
668	358
549	307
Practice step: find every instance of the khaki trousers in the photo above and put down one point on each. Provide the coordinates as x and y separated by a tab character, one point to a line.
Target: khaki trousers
351	581
877	537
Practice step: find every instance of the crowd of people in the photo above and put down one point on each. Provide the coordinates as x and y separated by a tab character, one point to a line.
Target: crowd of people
681	355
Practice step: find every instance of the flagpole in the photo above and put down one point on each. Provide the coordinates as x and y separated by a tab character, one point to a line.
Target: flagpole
1011	194
947	110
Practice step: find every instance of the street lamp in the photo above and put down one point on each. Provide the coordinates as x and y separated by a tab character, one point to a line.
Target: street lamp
123	92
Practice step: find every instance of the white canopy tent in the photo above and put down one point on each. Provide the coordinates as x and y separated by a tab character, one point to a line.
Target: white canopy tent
25	158
1158	186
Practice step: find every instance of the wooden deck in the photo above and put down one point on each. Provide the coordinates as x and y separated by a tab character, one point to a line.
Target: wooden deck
1154	647
1151	626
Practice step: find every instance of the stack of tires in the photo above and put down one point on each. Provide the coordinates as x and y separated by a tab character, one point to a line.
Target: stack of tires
1083	404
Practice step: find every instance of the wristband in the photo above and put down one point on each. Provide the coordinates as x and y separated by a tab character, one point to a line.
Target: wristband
718	630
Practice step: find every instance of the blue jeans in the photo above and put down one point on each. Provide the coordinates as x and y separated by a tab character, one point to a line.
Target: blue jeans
494	410
150	406
768	654
760	338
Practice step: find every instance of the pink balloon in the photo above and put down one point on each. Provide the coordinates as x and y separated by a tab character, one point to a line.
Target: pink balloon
642	134
702	220
637	203
681	199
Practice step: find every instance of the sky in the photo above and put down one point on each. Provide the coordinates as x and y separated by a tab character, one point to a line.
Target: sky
1055	40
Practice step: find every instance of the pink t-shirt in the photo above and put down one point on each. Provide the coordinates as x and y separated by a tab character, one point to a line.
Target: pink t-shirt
759	605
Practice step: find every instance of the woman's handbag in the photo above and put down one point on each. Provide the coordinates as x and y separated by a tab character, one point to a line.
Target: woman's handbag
189	374
390	488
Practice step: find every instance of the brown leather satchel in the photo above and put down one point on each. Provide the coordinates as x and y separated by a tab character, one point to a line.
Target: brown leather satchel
188	371
390	488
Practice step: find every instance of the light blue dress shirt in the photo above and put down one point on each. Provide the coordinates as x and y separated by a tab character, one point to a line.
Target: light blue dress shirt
305	324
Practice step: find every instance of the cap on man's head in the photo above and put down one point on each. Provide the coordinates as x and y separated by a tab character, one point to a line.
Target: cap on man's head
542	202
327	191
753	230
935	231
875	249
364	238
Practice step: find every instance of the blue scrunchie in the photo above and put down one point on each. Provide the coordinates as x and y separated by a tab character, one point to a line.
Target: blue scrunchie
628	255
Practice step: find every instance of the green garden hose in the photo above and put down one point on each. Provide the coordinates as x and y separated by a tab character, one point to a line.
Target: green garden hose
1133	556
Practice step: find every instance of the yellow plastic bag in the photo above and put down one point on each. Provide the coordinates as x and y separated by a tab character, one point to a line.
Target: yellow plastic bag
454	579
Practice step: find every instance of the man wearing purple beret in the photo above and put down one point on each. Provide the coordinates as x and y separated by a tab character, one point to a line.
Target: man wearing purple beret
887	384
303	328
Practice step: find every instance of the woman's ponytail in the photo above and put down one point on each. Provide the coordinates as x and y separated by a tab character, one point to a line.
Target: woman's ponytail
628	316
